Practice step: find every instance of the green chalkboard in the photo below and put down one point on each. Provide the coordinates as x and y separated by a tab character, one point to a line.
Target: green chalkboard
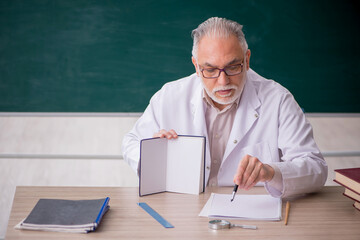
112	56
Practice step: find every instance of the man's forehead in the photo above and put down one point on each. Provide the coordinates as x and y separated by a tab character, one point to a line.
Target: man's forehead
219	52
208	39
220	45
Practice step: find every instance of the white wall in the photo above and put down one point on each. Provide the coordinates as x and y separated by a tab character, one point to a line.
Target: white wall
44	150
85	150
338	137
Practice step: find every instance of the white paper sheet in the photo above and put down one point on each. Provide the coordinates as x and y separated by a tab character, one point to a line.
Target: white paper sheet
250	207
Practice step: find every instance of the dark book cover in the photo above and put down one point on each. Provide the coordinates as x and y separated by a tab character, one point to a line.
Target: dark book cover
349	178
66	215
351	173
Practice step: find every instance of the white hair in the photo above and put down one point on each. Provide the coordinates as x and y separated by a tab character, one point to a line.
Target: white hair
218	27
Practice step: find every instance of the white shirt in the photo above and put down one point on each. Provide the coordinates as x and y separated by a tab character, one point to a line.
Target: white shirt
268	125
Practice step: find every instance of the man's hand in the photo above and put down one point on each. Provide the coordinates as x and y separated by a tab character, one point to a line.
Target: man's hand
166	134
251	171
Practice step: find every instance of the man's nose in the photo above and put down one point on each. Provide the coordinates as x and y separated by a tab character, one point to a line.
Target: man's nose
223	79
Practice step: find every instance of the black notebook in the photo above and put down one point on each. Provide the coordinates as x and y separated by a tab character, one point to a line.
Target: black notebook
80	216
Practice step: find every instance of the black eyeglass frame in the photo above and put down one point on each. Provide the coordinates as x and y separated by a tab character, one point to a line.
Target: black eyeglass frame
222	70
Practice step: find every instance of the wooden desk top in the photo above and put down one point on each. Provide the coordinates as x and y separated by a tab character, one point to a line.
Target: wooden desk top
323	215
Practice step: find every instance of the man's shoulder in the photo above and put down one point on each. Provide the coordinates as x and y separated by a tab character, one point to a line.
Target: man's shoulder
265	86
185	82
271	93
182	87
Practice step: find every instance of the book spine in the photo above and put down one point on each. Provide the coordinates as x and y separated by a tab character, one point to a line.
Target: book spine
101	213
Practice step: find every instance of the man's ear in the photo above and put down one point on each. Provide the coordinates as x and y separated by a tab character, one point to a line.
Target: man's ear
248	54
195	65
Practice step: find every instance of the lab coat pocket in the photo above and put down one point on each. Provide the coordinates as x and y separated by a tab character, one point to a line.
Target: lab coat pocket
260	150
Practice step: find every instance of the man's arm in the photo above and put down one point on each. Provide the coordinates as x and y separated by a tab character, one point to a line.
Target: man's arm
145	127
301	169
302	166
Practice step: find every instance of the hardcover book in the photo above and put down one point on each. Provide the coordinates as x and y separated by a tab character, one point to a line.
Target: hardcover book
352	195
349	178
175	165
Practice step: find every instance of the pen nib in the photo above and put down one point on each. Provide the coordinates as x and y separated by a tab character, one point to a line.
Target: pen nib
233	196
234	192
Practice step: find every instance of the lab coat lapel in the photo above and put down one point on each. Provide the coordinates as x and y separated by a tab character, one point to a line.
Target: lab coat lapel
246	116
198	112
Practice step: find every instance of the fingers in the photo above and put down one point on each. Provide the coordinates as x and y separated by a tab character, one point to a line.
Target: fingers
166	134
250	171
254	176
238	178
173	133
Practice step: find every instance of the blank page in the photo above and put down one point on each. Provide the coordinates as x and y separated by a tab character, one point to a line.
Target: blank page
255	207
153	166
185	164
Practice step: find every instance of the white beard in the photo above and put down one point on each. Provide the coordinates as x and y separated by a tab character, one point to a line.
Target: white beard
226	101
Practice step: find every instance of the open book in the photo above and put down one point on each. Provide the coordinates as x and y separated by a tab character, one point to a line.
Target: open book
175	165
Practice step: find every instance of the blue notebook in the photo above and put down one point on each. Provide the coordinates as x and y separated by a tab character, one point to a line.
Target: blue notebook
59	215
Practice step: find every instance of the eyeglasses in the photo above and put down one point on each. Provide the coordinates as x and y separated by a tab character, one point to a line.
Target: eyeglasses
231	70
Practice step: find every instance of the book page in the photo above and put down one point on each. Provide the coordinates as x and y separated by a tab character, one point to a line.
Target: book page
185	165
153	155
254	207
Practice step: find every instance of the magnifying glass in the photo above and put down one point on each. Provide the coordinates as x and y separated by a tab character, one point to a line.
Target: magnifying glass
222	224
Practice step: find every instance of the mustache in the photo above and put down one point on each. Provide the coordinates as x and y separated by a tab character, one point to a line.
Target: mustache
224	88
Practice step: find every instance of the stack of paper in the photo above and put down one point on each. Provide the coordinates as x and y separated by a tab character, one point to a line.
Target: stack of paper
79	216
250	207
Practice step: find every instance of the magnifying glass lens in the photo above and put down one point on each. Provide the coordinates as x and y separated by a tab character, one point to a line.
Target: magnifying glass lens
219	224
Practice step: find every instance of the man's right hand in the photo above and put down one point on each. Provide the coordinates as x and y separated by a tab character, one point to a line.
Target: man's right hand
166	134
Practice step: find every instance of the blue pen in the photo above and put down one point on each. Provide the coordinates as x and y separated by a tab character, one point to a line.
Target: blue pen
234	192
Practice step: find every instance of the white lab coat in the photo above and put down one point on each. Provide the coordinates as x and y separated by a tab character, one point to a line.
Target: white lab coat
268	124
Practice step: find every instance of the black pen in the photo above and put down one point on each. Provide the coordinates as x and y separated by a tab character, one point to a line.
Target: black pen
234	192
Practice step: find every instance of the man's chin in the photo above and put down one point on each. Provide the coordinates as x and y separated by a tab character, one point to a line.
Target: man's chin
224	100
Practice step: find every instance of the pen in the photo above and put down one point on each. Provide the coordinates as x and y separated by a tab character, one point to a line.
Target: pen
287	210
234	192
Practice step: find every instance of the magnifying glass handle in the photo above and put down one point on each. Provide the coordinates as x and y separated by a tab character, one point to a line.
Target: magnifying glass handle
244	226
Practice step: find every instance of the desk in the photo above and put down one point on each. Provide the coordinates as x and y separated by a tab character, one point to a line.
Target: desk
323	215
